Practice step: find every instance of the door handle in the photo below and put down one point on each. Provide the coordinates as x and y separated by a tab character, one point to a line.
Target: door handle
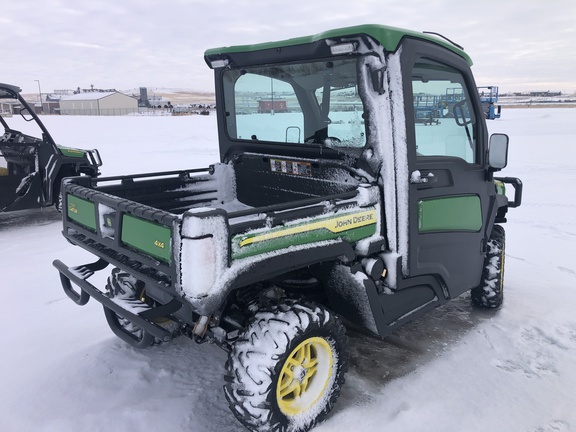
418	177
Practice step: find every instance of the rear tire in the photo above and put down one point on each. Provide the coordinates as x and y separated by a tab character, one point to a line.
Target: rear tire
123	285
490	293
286	370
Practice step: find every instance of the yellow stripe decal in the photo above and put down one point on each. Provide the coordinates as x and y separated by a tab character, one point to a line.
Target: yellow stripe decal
335	225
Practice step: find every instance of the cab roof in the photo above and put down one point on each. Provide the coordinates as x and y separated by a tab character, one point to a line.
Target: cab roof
388	37
8	91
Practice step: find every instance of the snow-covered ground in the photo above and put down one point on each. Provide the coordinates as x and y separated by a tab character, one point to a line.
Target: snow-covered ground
457	369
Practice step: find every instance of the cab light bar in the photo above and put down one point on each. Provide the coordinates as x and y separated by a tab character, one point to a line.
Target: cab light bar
219	63
343	48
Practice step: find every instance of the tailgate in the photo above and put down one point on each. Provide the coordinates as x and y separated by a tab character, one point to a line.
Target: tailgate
128	234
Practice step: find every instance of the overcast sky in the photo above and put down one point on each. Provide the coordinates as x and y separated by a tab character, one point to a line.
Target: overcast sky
519	45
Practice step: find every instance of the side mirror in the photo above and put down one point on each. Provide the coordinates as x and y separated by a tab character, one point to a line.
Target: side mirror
498	151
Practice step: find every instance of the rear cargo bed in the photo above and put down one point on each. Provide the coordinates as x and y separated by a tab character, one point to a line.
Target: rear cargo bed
134	221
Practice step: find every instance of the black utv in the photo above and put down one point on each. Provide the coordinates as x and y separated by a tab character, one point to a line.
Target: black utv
31	168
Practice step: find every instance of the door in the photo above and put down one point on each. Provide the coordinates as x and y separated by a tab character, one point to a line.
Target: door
6	183
449	194
20	185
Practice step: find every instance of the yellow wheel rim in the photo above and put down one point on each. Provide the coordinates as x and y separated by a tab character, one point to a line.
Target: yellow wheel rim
305	376
502	255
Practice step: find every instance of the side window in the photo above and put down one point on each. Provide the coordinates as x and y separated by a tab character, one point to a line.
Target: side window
444	119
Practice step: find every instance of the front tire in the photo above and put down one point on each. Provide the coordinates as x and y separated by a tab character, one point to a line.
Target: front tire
59	203
286	370
490	293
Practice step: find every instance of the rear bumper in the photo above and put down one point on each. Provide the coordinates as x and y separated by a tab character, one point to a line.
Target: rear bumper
143	319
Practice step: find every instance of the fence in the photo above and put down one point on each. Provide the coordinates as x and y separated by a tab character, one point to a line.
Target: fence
142	111
101	111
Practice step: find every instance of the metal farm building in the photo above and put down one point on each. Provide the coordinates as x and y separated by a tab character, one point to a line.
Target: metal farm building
272	105
98	103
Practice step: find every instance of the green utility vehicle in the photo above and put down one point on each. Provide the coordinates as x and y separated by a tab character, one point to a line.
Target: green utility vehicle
31	168
330	205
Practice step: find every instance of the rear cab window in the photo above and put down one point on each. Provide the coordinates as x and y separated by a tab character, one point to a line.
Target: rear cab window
314	103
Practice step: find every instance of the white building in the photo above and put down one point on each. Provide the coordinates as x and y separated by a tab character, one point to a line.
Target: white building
98	103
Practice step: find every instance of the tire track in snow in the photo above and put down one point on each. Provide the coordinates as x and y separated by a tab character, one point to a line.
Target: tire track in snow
567	270
555	426
536	350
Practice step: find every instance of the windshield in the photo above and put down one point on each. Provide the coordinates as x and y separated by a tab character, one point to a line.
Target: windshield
313	103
